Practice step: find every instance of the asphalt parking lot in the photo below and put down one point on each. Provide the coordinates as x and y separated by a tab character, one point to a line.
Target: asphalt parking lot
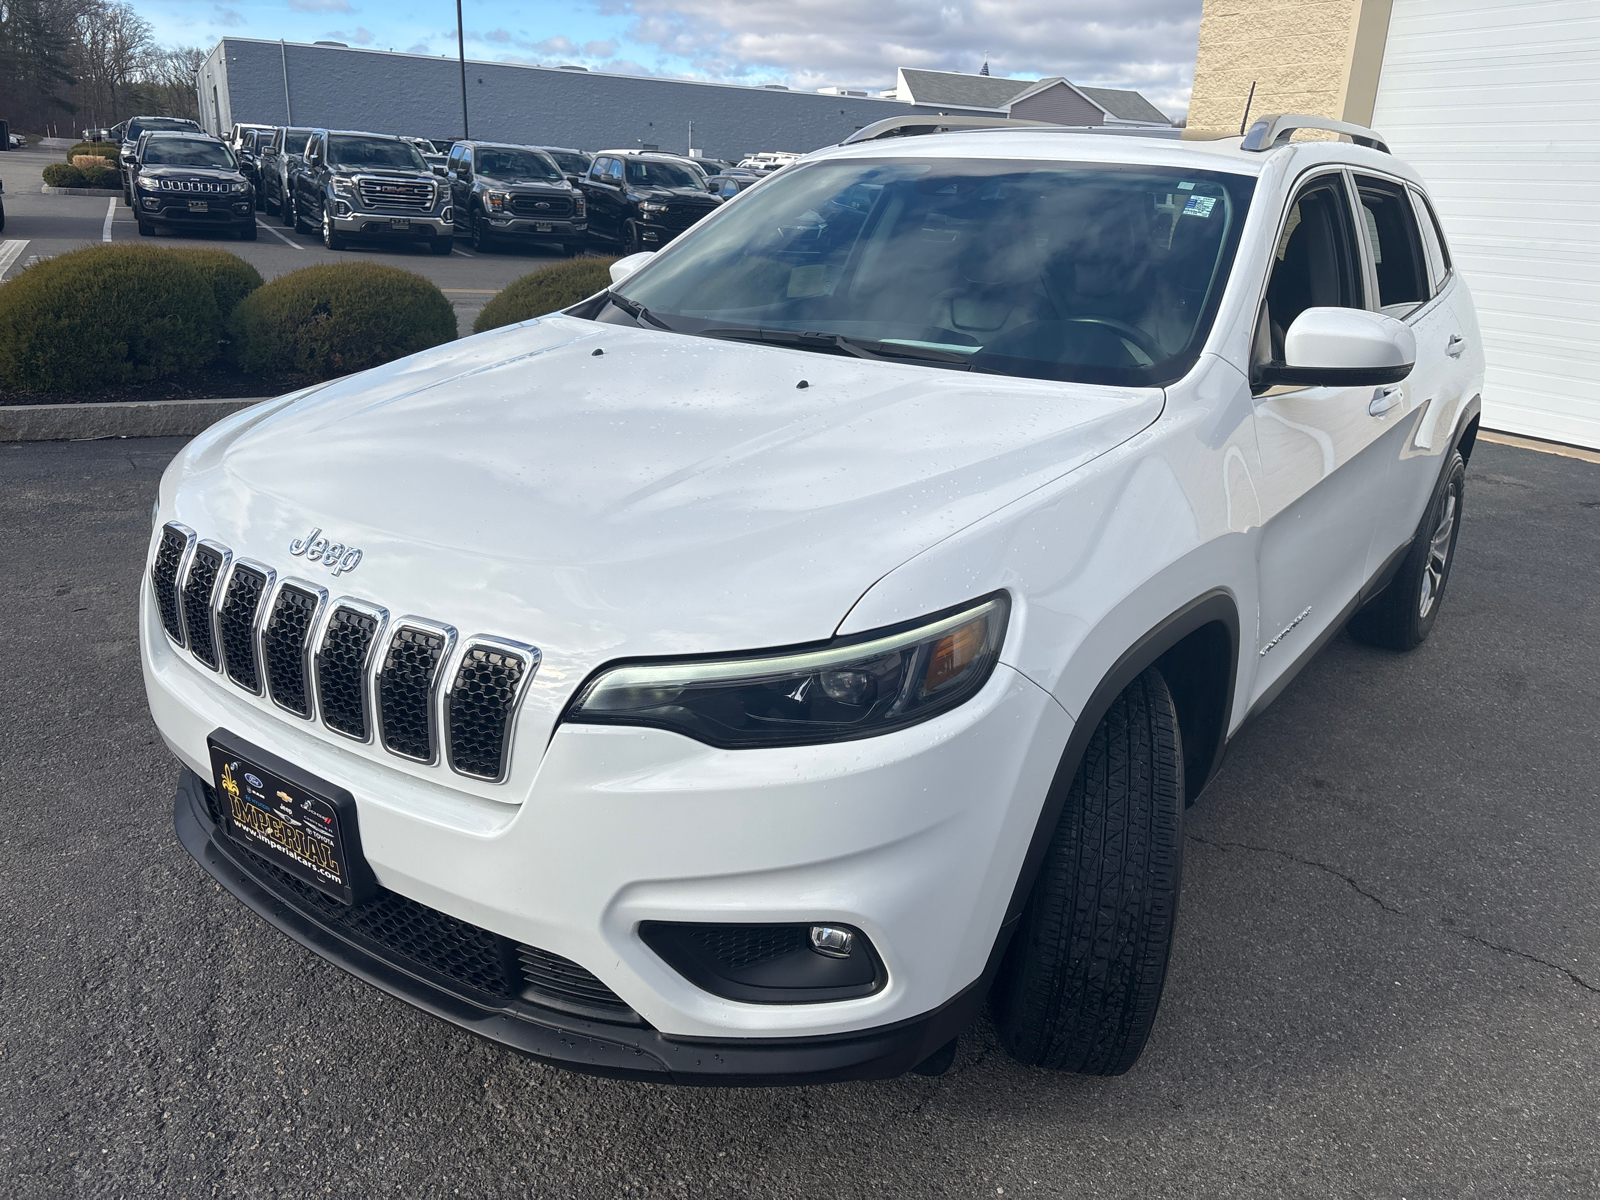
1386	982
54	224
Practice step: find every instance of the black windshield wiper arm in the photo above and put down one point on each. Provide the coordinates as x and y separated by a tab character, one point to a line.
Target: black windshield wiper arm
637	311
842	343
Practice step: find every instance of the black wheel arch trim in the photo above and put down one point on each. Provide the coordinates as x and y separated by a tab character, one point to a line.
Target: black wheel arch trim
1216	607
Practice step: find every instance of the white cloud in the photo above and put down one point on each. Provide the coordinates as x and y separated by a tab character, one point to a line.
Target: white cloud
361	36
228	16
1148	45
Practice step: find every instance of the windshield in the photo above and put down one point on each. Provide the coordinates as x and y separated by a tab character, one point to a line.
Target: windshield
517	164
294	141
182	152
356	151
135	128
647	173
1088	273
571	164
424	145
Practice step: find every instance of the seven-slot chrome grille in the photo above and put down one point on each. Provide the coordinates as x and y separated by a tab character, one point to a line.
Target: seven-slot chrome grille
344	661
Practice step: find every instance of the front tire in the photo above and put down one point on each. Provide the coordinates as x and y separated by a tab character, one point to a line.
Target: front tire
632	238
286	212
442	245
331	238
482	239
247	233
1081	982
145	228
1402	615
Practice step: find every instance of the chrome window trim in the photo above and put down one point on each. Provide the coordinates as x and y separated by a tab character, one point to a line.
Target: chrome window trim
368	675
257	623
487	641
436	715
306	664
223	570
178	575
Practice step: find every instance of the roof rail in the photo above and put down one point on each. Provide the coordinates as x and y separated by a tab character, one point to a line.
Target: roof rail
917	123
1269	133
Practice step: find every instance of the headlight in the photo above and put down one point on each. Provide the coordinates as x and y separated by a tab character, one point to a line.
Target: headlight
865	685
499	200
578	207
344	187
653	206
152	185
241	186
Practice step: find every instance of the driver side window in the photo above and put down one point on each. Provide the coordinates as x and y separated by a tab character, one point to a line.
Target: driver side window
1314	264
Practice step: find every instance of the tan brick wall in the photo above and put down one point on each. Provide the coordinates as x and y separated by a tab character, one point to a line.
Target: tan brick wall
1302	55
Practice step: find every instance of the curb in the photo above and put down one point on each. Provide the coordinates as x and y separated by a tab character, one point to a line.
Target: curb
55	191
131	418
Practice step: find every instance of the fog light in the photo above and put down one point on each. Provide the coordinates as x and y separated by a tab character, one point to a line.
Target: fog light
448	216
832	941
152	202
341	209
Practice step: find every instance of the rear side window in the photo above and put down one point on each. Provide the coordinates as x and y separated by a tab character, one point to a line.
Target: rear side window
1438	229
1438	267
1397	255
1314	265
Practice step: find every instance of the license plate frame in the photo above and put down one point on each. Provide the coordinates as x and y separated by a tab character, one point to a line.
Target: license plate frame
200	206
303	825
400	223
543	227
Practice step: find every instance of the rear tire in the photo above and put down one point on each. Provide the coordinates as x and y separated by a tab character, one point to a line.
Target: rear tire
1081	982
1402	615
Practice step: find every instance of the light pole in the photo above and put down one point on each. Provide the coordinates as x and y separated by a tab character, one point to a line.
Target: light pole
461	51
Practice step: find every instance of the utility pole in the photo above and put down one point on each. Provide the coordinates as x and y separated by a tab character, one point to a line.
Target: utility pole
461	50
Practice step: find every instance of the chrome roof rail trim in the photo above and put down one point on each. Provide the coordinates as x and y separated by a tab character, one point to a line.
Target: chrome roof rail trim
935	123
1268	133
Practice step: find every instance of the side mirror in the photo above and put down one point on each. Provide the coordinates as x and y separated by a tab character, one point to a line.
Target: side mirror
438	170
624	267
1343	347
574	179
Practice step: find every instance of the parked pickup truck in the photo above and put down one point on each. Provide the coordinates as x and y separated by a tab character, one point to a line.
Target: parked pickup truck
504	194
362	185
642	201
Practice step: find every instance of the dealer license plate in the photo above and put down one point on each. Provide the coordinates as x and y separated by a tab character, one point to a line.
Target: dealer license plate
293	820
199	206
399	222
542	227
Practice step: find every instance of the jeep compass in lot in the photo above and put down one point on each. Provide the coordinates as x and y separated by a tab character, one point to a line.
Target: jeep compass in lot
749	673
188	182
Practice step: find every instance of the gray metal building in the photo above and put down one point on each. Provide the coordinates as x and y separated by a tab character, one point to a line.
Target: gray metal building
277	83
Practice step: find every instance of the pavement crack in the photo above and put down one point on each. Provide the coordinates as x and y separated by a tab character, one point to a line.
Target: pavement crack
1389	908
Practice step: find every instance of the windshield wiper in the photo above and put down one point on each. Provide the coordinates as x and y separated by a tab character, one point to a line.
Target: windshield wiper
843	343
637	311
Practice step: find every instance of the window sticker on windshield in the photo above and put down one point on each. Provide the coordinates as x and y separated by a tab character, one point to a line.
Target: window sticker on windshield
807	281
1186	187
1199	206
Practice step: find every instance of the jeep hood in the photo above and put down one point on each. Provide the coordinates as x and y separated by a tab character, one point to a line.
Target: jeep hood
602	491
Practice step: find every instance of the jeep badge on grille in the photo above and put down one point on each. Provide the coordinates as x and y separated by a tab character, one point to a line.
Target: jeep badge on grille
317	548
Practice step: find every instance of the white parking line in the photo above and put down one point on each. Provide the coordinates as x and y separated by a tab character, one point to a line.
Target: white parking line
278	235
9	253
463	253
111	211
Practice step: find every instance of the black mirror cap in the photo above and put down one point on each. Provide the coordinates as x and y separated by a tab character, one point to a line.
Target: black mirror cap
1267	375
765	963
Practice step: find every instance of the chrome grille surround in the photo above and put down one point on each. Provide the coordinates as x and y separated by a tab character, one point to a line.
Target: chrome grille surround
207	566
280	651
346	640
412	674
401	195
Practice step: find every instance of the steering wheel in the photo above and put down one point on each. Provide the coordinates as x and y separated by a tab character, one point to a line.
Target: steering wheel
1132	332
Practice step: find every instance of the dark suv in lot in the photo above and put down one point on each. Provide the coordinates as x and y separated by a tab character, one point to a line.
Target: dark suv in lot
504	194
354	184
131	130
190	181
642	201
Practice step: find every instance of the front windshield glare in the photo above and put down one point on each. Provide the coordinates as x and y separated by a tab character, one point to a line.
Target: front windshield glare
1085	273
644	173
180	152
516	164
375	152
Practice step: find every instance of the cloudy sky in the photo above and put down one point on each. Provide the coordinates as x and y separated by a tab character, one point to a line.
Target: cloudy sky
1143	44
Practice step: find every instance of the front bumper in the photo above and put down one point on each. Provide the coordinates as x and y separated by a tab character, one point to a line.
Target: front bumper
220	210
362	223
531	229
916	838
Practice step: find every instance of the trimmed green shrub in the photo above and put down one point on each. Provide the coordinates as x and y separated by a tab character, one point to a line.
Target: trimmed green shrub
555	287
101	176
231	278
107	314
338	318
63	175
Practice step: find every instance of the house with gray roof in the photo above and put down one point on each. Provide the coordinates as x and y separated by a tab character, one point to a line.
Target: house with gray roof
1053	99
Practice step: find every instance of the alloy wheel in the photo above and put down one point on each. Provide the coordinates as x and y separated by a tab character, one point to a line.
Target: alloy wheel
1438	557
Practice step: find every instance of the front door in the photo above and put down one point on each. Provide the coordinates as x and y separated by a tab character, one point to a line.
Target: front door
1323	474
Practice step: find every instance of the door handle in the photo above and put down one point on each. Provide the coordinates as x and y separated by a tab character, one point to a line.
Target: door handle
1455	345
1384	399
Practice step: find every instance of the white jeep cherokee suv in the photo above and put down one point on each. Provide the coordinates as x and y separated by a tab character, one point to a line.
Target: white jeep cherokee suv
746	674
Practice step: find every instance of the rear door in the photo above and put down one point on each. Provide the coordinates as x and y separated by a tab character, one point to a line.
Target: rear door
1323	471
1398	271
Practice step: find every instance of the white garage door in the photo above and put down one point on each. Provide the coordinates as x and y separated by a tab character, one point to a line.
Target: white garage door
1497	103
